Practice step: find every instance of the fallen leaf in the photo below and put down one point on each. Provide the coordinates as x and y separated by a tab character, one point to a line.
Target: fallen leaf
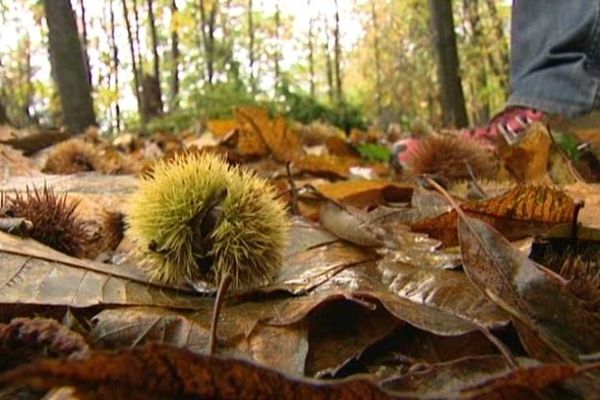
14	163
483	377
250	141
589	215
34	274
341	331
528	158
241	333
363	193
303	271
221	127
350	225
552	322
283	142
331	167
520	212
160	371
432	299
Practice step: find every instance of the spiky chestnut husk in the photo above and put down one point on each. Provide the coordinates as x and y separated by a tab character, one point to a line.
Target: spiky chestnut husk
72	156
54	219
79	155
112	229
198	218
447	157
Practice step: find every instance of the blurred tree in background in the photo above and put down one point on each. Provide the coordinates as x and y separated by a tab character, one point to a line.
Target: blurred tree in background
350	63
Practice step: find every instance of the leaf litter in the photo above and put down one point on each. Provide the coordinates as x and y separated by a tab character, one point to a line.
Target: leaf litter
373	291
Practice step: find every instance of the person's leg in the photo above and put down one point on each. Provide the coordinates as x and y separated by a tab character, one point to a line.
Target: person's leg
555	57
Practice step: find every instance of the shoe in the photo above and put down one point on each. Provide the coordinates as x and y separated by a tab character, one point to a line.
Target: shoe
510	123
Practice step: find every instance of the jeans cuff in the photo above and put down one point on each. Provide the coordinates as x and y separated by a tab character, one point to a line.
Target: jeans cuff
545	105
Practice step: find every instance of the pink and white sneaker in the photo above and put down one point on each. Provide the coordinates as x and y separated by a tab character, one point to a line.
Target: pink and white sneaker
510	123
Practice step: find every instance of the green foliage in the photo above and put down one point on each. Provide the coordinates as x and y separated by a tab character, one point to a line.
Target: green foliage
569	144
374	152
219	100
305	108
173	122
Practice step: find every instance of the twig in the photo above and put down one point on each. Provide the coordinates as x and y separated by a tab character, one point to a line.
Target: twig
293	190
223	287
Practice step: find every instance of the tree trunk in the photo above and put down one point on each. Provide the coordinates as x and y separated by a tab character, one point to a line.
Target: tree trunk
68	66
157	95
174	100
136	72
115	65
27	77
337	56
151	101
3	116
377	54
454	112
501	63
311	54
138	47
329	71
208	19
251	45
277	54
481	104
84	41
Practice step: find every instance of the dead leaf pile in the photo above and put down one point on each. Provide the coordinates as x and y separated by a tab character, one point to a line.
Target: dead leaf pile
386	290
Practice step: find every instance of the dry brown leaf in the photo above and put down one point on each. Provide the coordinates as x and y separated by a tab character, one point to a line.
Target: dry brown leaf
340	147
14	163
483	377
341	332
522	211
332	167
33	274
553	323
221	127
305	270
241	332
159	371
365	194
284	142
250	141
528	159
589	215
351	225
435	300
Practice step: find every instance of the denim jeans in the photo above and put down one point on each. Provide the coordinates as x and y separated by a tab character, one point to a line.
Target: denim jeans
555	56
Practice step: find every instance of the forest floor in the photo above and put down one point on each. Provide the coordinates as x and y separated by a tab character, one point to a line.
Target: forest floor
472	274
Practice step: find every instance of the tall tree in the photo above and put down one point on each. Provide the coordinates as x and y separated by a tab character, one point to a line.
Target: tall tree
502	62
84	40
475	36
68	66
251	45
377	54
134	62
3	116
454	112
115	65
337	48
174	102
277	51
155	57
208	18
311	51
